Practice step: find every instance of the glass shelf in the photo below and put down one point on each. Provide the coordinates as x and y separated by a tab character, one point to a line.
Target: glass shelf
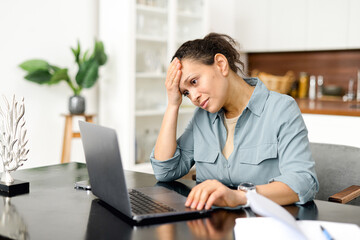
151	9
149	38
190	16
159	25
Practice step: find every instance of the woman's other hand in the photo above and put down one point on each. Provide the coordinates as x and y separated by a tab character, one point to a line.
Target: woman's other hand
212	192
172	83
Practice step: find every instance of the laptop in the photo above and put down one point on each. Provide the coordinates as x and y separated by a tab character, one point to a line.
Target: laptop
107	180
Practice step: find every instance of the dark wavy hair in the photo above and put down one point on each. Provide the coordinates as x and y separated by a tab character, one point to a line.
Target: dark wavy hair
204	50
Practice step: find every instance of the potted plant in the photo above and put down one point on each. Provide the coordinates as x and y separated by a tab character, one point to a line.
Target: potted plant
42	72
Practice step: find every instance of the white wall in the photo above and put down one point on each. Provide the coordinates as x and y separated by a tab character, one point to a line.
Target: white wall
45	29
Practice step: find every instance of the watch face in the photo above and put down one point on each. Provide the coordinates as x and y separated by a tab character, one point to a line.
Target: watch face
247	185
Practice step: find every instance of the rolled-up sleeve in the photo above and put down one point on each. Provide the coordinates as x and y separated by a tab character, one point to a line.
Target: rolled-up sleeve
182	161
296	164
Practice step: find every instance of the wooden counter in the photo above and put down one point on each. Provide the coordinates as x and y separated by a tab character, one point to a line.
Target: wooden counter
334	107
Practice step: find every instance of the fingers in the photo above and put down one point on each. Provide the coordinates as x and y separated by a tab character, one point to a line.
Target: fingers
190	198
177	77
172	83
211	200
204	198
212	192
200	194
175	65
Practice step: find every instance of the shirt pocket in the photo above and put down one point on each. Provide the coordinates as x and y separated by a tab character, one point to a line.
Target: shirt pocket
258	154
205	155
206	160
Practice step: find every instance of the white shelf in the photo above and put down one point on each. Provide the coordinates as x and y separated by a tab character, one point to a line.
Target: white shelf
150	9
189	16
148	38
148	30
160	112
141	75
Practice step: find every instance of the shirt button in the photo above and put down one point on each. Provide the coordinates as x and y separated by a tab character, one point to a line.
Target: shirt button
225	165
228	166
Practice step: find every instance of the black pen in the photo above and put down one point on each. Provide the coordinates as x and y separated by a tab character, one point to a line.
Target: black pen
326	233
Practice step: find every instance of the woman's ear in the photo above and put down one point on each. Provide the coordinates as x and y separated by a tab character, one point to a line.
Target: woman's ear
222	64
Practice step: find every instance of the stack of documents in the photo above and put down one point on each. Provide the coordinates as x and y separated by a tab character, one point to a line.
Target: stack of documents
277	223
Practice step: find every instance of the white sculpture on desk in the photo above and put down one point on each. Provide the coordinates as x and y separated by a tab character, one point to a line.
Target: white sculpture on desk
13	150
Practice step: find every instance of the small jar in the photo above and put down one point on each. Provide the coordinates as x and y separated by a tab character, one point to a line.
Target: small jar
303	85
294	89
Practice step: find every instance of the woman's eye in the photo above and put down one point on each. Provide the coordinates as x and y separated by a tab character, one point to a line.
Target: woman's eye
194	81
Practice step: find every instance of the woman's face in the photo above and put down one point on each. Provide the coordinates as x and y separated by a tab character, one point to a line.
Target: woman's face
204	85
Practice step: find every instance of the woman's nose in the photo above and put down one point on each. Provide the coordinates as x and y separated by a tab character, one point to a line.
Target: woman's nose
195	96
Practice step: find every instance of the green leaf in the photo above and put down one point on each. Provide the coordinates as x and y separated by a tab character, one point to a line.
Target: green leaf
61	74
53	68
99	53
34	65
85	55
76	52
88	73
39	76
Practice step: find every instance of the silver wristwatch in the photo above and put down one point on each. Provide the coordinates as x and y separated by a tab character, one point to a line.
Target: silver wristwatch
247	186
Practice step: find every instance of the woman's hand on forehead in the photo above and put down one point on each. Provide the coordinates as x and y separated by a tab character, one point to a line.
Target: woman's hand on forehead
172	83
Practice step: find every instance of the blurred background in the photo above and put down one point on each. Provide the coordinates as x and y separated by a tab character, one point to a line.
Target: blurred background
309	49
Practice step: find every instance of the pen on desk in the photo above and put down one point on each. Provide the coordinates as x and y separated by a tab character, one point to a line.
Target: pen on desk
326	233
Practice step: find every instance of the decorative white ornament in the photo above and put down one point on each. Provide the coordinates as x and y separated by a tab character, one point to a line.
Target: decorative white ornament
12	137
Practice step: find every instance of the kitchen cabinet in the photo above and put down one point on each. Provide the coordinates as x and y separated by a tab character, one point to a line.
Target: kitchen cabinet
297	25
141	41
327	24
252	19
332	122
287	25
354	24
333	129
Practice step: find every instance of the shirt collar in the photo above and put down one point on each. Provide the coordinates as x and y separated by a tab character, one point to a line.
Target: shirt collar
257	100
259	96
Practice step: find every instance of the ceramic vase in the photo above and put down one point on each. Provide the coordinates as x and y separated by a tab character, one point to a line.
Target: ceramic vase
77	104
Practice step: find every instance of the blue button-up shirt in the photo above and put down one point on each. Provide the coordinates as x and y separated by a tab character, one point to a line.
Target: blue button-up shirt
270	144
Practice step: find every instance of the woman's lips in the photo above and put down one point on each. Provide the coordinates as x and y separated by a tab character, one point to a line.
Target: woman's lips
204	103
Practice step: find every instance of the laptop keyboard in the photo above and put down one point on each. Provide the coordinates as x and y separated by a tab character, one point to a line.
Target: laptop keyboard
142	204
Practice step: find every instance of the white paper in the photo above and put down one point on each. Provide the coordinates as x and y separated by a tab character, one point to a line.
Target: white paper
278	223
339	231
270	229
267	208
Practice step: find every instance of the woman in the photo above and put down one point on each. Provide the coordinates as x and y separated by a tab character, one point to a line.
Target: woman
240	132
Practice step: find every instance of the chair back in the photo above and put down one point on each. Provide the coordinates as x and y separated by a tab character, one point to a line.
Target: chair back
337	167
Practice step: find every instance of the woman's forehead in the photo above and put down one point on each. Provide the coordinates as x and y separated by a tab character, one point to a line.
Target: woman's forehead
191	67
188	69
